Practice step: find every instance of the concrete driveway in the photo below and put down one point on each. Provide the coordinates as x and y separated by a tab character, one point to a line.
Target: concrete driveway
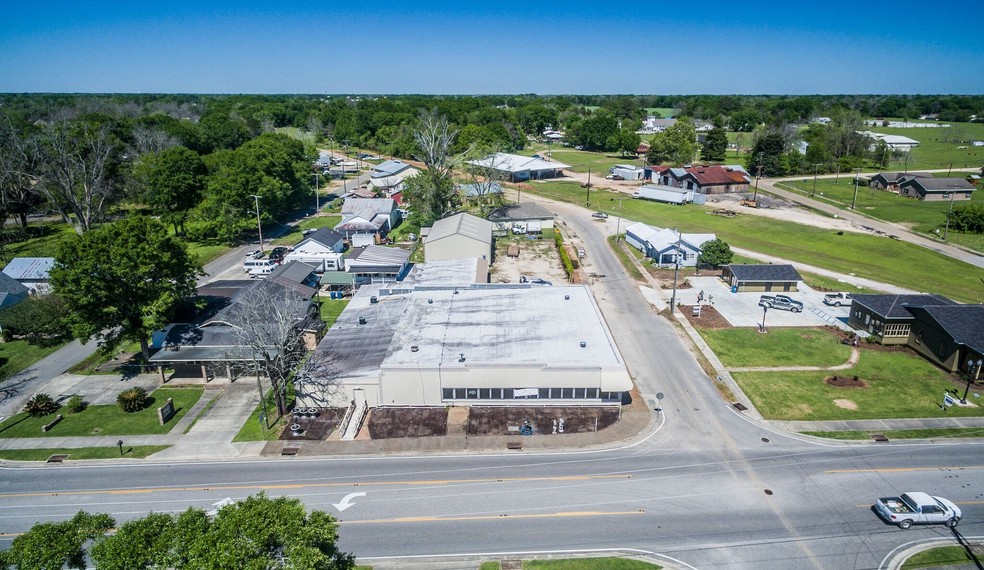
743	310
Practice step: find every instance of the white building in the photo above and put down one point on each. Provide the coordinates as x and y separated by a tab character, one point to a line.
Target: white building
521	167
894	142
485	344
459	236
663	246
321	250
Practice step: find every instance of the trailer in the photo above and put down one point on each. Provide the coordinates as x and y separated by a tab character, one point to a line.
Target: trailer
667	194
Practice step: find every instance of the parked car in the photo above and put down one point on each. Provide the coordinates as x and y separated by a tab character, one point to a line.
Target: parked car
615	177
837	299
534	280
600	215
277	254
918	508
253	254
580	252
781	302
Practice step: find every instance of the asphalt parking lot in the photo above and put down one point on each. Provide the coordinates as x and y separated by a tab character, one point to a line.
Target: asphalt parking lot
743	310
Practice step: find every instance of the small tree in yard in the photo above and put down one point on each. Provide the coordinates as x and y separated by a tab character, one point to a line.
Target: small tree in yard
40	405
714	253
39	319
132	399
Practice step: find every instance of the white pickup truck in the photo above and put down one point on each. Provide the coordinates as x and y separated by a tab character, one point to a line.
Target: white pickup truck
918	508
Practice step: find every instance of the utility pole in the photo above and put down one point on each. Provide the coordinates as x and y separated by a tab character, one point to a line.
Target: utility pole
587	191
857	176
949	211
816	167
259	226
618	221
758	174
676	271
317	188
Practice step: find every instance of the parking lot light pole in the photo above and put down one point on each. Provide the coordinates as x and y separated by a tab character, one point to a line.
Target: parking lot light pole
765	309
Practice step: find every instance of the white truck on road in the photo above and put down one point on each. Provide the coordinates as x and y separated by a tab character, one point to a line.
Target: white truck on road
918	508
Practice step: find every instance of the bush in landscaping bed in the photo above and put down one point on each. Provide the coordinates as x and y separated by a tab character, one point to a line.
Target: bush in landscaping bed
40	405
132	400
76	404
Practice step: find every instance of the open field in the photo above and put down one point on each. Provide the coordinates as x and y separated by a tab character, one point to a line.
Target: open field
940	147
873	257
781	347
921	217
581	160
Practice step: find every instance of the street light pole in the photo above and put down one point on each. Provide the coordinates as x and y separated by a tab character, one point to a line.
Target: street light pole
676	271
618	220
259	226
765	309
972	370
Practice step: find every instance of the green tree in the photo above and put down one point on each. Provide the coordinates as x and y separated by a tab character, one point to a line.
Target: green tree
626	141
121	281
39	319
54	545
676	145
594	132
716	145
768	153
714	253
171	182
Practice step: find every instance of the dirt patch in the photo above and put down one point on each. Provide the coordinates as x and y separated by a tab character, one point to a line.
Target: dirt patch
497	420
846	404
536	258
385	423
709	317
845	382
314	426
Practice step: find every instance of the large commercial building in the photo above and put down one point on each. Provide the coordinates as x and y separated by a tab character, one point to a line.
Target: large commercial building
479	344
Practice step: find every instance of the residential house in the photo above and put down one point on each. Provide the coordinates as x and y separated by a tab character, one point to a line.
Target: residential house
946	333
11	291
523	217
482	190
761	277
322	249
388	176
887	317
32	272
890	180
653	124
715	179
459	236
520	168
377	264
369	218
665	246
935	189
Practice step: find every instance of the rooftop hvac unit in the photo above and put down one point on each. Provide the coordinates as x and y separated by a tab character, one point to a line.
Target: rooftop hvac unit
373	300
583	344
362	320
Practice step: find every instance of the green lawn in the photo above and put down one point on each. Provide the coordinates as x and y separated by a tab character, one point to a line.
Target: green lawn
582	160
780	347
822	282
863	255
106	419
940	147
942	556
899	384
619	249
940	433
919	216
40	240
17	355
331	308
79	453
295	236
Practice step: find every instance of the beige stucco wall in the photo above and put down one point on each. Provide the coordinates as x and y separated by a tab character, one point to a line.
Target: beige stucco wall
456	247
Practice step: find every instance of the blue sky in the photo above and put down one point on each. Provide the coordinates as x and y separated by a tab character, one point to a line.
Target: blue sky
463	47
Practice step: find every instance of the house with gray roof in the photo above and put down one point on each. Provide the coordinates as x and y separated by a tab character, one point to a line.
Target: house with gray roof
32	272
761	277
321	249
377	263
887	318
937	188
372	216
388	176
528	217
459	236
11	291
890	180
665	246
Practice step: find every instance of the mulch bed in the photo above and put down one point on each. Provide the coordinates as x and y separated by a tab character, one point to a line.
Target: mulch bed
845	382
313	428
709	317
496	420
385	423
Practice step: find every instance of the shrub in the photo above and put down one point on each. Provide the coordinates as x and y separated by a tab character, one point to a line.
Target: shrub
132	400
40	405
76	404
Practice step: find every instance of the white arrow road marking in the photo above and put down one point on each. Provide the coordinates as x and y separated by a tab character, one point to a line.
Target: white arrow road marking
346	501
218	506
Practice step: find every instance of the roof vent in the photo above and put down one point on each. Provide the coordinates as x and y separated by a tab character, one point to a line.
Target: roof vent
583	344
567	297
414	348
455	291
362	320
430	301
373	300
461	357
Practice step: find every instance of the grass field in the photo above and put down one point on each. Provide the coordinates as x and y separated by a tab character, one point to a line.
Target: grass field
330	310
941	557
898	384
589	564
781	347
582	160
941	433
80	453
940	147
106	419
873	257
919	216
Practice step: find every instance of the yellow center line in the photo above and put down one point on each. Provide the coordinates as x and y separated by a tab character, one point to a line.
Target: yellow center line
495	517
904	469
283	486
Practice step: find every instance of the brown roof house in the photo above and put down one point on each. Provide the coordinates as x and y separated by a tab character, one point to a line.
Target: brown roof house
714	179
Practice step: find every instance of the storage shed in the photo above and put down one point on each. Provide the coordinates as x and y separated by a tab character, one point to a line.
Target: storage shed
760	277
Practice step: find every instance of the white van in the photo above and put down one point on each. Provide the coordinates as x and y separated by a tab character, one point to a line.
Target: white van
258	266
